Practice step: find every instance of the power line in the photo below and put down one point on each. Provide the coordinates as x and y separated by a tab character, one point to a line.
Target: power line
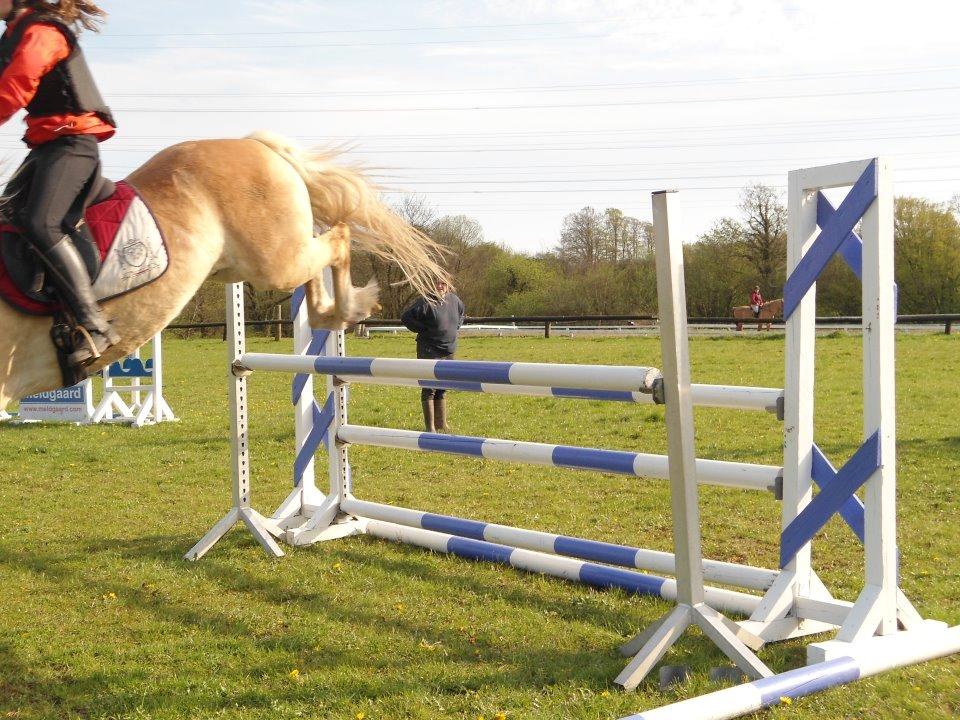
907	120
552	106
631	164
659	181
526	168
670	145
425	28
900	121
391	43
579	167
667	144
638	179
555	88
533	169
645	189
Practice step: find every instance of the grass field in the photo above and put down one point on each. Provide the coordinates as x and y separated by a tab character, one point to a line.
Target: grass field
101	618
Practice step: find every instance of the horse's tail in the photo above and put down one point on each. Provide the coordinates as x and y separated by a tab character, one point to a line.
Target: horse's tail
342	194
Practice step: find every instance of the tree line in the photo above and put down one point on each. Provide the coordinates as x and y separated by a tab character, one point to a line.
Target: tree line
603	263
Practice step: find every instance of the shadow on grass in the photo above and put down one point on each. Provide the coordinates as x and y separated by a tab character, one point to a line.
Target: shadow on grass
929	446
345	672
378	665
385	562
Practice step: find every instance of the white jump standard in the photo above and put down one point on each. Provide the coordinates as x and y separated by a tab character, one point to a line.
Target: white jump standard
142	382
880	631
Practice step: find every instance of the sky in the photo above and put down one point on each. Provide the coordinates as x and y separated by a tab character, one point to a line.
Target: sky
519	112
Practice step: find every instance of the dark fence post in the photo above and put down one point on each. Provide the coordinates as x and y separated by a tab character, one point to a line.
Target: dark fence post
546	329
948	330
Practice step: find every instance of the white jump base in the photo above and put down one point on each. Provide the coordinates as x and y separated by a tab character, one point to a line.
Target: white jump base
874	656
878	632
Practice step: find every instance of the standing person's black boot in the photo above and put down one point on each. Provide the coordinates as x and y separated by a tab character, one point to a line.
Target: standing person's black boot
440	413
68	273
427	404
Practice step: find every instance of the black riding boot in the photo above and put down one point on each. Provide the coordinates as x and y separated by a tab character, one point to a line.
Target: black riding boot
69	275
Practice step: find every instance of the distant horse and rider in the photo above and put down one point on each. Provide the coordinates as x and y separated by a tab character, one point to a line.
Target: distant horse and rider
758	309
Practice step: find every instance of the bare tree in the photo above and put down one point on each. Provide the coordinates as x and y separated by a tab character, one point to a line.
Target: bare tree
615	229
717	271
468	261
582	238
417	211
459	234
637	239
764	236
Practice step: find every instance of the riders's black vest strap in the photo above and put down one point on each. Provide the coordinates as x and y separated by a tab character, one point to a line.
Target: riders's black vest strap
69	87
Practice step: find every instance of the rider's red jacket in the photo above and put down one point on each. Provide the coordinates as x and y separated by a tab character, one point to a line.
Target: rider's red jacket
42	47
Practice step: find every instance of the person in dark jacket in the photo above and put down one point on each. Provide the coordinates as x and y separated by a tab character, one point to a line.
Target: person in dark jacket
436	325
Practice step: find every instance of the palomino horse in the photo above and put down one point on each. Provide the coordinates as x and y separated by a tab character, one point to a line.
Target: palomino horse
769	311
238	210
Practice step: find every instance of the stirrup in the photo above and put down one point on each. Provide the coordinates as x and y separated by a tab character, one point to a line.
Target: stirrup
88	351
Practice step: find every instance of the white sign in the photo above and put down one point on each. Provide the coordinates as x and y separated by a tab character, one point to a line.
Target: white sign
71	404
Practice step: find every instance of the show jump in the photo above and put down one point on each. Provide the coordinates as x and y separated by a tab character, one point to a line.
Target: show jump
881	630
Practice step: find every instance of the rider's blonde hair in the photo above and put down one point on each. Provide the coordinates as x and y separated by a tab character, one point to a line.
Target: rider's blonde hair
78	14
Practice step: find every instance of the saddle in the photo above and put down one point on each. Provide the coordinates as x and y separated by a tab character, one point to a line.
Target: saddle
24	268
120	243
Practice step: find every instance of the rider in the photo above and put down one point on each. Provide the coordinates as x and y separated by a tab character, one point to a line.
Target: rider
756	301
42	69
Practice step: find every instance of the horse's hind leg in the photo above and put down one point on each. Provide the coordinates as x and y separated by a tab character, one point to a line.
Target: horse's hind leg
349	305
